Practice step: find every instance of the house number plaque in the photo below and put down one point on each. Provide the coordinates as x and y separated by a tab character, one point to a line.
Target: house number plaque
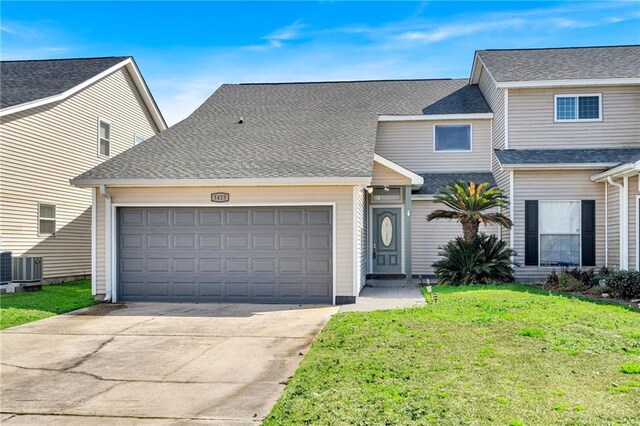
220	197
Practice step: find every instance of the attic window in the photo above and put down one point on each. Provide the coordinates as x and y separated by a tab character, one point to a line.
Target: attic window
104	138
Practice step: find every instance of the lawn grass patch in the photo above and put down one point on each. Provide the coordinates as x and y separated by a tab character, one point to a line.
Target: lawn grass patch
54	299
466	360
631	368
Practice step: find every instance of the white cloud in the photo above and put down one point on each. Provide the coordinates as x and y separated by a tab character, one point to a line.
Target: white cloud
290	32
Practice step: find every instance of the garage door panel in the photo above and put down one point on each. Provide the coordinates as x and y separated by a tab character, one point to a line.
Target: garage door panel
236	241
237	217
158	241
158	217
318	217
277	255
184	218
264	217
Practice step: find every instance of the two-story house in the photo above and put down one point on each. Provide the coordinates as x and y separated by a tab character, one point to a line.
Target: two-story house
566	138
59	118
296	192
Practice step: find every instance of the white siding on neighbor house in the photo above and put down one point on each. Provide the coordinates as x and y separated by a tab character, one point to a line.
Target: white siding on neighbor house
410	145
362	236
42	148
613	227
531	119
428	237
384	176
555	185
343	196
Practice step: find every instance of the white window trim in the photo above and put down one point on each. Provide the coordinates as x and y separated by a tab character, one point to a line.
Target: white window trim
455	150
103	120
54	219
564	233
576	95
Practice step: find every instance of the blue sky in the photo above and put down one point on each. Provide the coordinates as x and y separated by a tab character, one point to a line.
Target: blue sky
186	50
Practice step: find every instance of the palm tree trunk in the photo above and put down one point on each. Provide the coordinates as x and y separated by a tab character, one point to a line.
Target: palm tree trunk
470	230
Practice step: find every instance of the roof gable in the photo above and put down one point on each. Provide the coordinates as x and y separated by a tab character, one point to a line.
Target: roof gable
562	64
27	84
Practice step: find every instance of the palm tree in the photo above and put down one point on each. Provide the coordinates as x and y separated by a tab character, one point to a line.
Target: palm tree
469	204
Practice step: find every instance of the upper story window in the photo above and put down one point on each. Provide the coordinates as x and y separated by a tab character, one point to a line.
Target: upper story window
104	138
452	137
137	139
46	219
578	107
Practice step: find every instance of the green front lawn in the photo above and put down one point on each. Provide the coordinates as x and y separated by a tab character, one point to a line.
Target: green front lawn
20	308
508	355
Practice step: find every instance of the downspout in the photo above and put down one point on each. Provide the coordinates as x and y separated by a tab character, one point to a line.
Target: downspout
606	224
107	242
624	222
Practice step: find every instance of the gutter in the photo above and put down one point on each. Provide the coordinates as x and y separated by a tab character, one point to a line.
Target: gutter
620	170
551	166
293	181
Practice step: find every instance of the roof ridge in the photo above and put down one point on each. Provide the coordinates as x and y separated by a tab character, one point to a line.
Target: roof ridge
67	59
349	81
561	48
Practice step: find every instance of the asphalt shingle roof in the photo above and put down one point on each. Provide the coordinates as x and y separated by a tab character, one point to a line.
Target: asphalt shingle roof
566	156
434	182
28	81
575	63
288	130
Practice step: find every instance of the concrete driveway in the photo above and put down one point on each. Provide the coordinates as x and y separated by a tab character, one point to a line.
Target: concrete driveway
154	363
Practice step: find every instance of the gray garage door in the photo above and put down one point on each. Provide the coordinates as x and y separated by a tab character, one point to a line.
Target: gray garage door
261	254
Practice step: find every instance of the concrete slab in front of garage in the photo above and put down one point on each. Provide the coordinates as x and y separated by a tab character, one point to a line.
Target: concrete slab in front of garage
142	362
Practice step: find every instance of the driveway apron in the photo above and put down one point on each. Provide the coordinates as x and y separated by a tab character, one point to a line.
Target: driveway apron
154	363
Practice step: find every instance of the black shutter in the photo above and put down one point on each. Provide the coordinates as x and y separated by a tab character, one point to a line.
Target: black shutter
588	233
531	232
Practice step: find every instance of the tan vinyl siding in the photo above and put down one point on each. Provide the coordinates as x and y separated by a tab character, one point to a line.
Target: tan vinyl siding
362	235
429	236
42	148
531	119
410	145
495	97
383	176
343	196
503	180
613	226
555	185
633	221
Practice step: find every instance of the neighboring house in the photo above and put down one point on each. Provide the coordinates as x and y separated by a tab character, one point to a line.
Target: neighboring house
59	118
296	192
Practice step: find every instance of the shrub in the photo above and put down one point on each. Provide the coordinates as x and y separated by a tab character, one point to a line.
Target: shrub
588	277
485	259
568	282
553	279
624	284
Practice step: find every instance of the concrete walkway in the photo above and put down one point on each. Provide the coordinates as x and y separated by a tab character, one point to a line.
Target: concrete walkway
374	298
151	363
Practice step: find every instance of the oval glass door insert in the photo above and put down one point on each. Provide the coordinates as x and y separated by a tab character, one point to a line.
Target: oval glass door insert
386	231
